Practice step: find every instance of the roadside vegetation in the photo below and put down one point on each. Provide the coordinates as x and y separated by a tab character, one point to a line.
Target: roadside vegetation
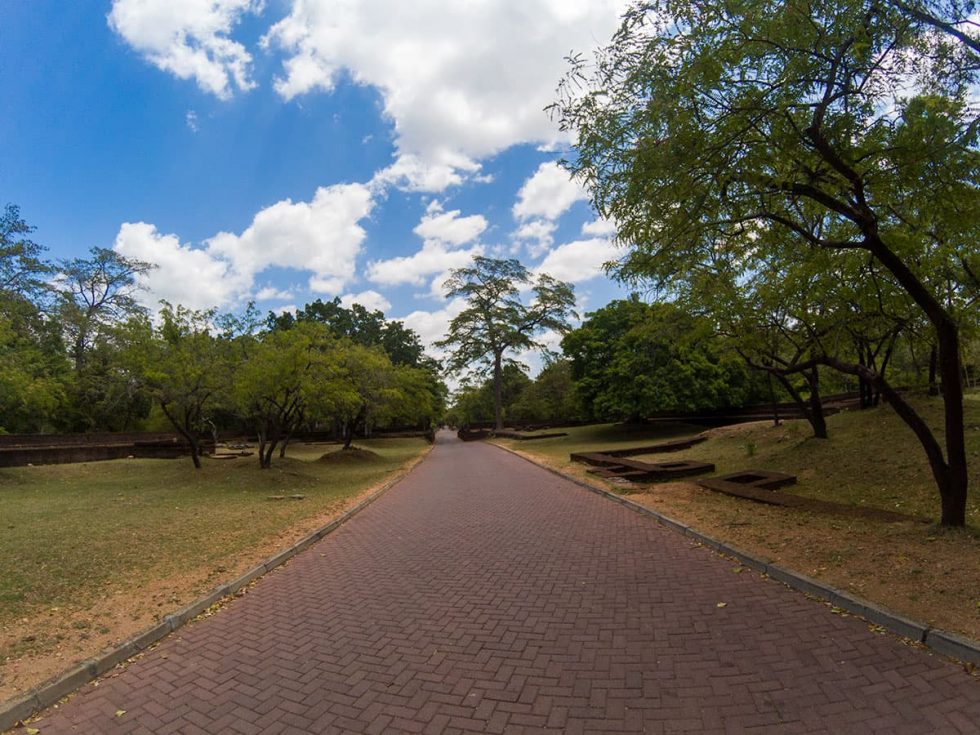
98	551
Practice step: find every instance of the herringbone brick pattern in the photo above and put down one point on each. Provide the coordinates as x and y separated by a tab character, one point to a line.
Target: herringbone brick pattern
483	594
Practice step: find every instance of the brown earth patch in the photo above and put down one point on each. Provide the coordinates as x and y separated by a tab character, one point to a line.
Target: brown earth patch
351	454
49	642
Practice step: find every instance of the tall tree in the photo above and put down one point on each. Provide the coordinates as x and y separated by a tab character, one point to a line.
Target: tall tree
270	386
496	321
836	124
95	293
186	368
23	270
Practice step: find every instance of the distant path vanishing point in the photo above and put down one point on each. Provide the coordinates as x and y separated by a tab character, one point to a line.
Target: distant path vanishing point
484	594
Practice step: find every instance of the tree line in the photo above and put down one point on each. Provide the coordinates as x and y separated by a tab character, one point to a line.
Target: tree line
79	353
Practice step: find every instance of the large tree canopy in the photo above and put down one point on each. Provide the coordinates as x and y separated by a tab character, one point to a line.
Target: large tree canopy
746	131
631	359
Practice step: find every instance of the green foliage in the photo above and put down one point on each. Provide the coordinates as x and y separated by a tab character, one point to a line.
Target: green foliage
550	398
96	293
23	271
33	372
630	359
185	368
269	385
496	321
474	402
779	134
363	327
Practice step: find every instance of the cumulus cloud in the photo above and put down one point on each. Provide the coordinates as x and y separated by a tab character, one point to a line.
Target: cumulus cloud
442	233
538	235
184	275
269	293
190	39
413	173
434	258
431	326
370	300
322	237
453	90
599	228
548	193
449	227
578	261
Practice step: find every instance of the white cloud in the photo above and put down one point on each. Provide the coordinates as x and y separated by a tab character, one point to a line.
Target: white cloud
432	326
370	300
184	275
441	232
433	258
449	227
548	194
412	173
538	235
273	294
321	237
455	91
189	38
578	261
191	119
599	228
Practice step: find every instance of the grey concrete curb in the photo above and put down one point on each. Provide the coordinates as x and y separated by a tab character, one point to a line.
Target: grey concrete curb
948	644
44	695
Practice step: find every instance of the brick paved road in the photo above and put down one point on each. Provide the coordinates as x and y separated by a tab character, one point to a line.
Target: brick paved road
483	594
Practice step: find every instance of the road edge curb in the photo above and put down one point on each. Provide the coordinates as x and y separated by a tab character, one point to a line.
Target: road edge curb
951	645
19	709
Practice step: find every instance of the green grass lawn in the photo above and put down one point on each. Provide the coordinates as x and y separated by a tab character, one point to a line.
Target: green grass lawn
871	457
72	534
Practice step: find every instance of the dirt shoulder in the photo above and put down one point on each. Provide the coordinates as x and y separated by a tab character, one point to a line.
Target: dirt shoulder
53	640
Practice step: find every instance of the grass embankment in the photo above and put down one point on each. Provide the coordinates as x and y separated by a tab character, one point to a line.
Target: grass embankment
871	459
92	553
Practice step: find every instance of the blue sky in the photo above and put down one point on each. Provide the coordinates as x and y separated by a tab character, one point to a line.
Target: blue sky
287	150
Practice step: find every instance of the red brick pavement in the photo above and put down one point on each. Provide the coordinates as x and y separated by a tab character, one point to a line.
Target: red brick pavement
483	594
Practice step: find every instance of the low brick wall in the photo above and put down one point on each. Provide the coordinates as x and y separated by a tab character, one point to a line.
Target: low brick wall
87	439
38	449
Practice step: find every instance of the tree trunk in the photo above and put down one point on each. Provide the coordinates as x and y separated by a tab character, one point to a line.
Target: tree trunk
262	445
816	420
498	391
348	434
772	399
933	364
195	453
951	475
951	379
185	431
815	414
268	439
